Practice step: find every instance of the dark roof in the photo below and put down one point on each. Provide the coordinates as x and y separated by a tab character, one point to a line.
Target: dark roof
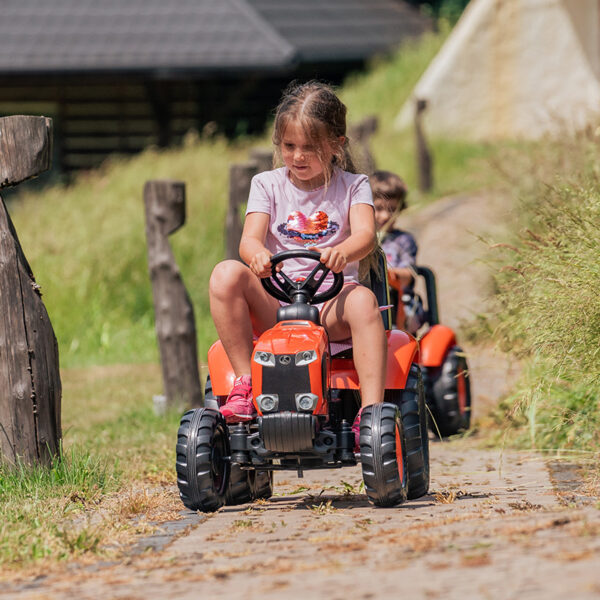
345	29
42	36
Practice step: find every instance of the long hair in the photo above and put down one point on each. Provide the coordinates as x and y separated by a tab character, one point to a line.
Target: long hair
322	116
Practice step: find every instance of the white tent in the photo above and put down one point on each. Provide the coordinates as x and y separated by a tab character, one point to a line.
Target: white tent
514	69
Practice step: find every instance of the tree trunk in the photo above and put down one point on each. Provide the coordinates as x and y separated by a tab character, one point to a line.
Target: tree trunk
174	313
30	388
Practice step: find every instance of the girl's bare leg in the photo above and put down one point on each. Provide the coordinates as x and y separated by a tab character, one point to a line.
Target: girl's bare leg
355	313
237	303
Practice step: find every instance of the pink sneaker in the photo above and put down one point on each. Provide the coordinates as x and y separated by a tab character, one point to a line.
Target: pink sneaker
356	430
239	406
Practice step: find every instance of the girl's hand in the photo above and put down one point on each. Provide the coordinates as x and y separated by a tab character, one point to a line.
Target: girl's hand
260	264
332	258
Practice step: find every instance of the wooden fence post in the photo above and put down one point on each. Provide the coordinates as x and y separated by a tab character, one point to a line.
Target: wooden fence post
174	314
424	160
360	134
263	157
30	387
240	176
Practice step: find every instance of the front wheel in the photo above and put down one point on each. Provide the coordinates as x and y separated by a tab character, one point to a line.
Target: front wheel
383	455
202	459
413	410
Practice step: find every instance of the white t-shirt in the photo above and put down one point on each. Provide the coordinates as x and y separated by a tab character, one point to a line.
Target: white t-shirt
304	219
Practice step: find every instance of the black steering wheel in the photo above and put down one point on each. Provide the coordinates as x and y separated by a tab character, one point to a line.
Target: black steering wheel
301	291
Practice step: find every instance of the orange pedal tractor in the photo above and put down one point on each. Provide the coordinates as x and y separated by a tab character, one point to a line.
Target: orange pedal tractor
443	363
306	398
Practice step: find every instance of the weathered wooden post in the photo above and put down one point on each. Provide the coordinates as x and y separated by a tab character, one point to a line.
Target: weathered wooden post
424	160
360	134
174	313
263	157
30	387
240	176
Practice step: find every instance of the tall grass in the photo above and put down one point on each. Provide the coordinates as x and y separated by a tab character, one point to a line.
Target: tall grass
35	503
549	288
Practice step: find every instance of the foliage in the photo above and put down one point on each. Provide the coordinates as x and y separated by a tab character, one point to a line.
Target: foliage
548	290
445	9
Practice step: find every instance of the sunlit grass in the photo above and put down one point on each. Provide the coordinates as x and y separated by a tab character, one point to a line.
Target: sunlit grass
548	288
117	465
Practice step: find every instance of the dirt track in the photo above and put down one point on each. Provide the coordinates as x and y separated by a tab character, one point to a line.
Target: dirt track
495	525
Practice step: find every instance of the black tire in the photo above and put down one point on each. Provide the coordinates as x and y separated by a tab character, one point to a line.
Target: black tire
210	400
239	490
262	485
383	455
413	410
202	471
451	394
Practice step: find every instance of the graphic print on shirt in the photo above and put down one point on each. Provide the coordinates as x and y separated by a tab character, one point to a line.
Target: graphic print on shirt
308	230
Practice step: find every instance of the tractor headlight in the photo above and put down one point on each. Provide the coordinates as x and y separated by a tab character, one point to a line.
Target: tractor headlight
268	402
305	357
306	402
266	359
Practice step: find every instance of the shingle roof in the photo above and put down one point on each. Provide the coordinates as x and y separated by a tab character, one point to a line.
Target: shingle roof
157	35
346	29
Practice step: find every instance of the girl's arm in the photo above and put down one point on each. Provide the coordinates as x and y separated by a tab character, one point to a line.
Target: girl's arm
360	242
252	245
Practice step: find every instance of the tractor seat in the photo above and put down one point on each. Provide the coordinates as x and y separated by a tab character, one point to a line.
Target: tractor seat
375	279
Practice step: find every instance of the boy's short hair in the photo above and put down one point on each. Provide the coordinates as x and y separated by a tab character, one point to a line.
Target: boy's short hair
389	186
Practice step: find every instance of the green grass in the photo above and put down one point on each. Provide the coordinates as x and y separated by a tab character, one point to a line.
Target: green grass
37	502
548	290
114	478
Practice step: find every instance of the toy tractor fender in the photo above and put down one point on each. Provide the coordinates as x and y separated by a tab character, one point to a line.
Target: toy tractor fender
435	345
403	351
220	369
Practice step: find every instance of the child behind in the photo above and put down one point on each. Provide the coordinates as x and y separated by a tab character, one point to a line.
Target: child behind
400	247
315	201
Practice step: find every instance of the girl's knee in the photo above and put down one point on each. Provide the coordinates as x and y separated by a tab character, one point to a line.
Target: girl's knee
225	276
362	304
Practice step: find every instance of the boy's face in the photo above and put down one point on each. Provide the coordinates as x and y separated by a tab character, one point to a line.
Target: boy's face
384	209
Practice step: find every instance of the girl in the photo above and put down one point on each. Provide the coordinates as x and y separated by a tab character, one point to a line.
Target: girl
314	201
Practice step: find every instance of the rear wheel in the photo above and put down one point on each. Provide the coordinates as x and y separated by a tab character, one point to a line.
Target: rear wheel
413	410
239	490
383	455
202	468
262	485
451	391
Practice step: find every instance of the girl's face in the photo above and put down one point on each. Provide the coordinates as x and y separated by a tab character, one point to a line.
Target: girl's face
384	210
302	159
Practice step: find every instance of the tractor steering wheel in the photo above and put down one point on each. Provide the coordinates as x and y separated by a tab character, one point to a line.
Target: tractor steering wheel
301	291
